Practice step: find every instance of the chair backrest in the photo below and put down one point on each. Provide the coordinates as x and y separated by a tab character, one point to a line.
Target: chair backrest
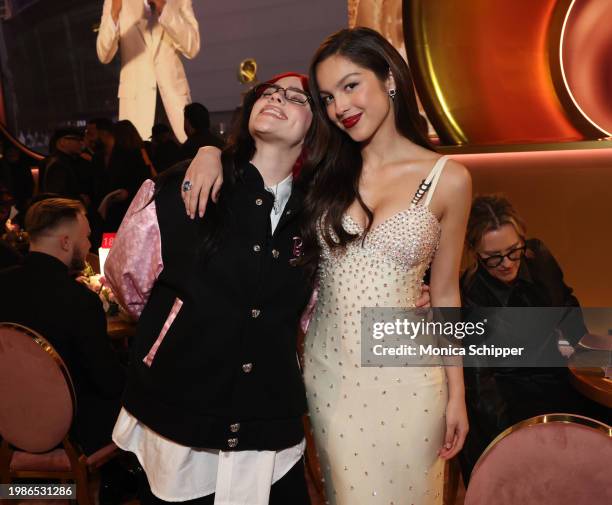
554	459
596	342
37	400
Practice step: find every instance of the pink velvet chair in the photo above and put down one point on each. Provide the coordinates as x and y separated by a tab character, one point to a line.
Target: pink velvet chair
37	407
556	459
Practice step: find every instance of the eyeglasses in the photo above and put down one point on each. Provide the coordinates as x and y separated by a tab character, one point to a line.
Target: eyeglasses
290	94
497	259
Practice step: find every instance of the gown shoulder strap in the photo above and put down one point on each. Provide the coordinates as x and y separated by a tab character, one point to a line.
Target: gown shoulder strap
428	185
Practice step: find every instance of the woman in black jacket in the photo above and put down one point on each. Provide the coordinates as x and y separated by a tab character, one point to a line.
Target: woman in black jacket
214	400
510	270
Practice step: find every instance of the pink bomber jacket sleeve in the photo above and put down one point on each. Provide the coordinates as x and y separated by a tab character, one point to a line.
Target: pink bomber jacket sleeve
135	259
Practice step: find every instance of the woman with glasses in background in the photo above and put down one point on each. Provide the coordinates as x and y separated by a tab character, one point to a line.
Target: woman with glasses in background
510	270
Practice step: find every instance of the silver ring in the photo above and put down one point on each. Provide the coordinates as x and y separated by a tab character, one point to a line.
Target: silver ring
187	186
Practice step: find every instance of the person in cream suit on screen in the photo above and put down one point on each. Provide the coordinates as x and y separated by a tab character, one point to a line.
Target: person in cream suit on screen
151	35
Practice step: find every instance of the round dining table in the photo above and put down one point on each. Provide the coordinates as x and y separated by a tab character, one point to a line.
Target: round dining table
120	330
588	375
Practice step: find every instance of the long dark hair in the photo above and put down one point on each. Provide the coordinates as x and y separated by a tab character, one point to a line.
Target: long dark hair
127	136
334	163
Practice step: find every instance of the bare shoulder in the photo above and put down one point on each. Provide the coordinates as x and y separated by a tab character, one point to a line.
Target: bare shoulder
415	160
453	195
455	179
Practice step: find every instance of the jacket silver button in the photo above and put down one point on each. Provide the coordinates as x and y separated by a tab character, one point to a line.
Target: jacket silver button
247	367
234	427
256	248
275	253
255	313
232	442
259	201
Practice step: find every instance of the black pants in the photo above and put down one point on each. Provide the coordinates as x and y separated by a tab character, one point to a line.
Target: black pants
290	490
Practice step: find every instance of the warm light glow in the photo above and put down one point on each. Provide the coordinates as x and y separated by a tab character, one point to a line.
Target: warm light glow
435	82
483	74
569	90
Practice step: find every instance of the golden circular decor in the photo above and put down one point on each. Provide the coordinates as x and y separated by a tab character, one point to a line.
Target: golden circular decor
247	71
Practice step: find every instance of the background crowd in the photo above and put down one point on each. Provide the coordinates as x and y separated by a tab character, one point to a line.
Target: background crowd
102	167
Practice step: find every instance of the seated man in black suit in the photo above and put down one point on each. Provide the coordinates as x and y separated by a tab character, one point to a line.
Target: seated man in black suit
43	295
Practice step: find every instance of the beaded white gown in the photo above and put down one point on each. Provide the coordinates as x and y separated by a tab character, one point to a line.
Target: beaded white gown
377	430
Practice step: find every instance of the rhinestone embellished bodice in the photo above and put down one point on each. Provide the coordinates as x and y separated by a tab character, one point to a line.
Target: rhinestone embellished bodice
399	249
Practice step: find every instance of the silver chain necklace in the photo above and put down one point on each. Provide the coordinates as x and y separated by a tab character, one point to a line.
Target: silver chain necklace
276	206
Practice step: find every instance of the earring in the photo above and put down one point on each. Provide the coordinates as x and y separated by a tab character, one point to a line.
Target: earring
392	92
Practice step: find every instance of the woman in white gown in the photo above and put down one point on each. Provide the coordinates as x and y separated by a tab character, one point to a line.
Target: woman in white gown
382	209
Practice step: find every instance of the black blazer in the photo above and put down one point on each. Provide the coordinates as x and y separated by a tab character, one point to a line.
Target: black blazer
61	175
225	374
126	170
539	283
499	397
41	295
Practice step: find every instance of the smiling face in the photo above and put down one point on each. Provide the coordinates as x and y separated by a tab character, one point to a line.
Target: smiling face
501	241
276	119
356	100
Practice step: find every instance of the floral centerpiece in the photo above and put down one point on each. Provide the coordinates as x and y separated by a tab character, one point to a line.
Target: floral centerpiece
96	283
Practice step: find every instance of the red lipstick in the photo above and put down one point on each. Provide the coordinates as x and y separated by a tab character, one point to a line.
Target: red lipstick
351	121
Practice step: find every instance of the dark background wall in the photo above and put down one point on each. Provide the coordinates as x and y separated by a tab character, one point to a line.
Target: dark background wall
280	34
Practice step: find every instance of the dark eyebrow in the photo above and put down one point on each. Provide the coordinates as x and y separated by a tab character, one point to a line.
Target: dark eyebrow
339	83
346	77
493	253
